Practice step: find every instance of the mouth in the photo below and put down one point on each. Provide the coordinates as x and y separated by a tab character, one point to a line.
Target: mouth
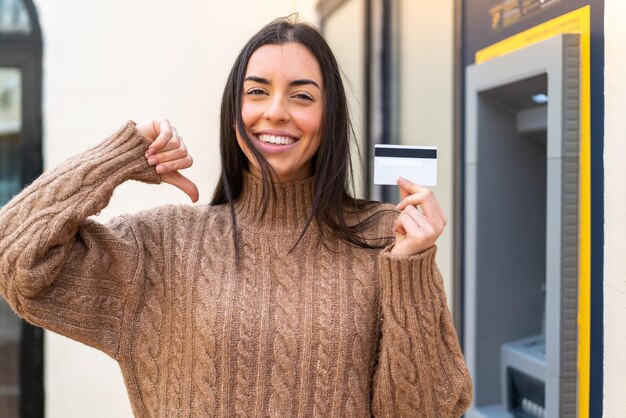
276	139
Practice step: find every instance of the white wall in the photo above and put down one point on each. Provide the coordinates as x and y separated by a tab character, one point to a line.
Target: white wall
615	210
348	45
109	61
426	37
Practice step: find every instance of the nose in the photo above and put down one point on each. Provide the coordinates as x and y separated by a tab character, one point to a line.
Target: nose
277	110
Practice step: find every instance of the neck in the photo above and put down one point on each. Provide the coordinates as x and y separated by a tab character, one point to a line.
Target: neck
288	205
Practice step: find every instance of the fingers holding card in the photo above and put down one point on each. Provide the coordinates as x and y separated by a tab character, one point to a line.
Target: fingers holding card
416	230
421	220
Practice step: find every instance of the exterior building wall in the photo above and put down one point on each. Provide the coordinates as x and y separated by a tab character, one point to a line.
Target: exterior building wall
426	93
345	35
614	204
109	61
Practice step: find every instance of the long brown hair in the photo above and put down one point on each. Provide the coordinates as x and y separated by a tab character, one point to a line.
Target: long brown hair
332	168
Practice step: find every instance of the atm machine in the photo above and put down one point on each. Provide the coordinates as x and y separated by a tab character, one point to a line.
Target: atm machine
521	238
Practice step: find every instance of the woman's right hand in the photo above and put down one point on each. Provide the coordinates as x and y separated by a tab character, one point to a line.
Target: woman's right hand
169	154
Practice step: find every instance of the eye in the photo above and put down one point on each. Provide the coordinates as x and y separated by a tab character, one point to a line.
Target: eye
255	91
304	96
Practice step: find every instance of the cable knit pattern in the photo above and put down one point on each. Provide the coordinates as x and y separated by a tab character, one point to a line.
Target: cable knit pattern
246	344
175	266
401	364
286	322
317	330
326	317
364	325
207	294
149	329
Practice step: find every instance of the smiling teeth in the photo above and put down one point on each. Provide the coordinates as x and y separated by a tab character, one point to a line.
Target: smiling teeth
276	140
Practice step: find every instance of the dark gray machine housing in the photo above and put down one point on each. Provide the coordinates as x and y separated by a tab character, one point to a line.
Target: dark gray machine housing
521	219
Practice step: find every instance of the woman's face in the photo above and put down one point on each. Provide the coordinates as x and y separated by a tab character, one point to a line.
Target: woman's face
282	109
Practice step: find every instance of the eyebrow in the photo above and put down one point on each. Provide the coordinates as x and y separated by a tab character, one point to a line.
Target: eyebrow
299	82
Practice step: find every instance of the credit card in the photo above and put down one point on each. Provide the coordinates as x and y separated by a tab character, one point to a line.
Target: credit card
418	164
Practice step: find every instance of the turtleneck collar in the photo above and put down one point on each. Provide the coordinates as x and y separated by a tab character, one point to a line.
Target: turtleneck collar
288	209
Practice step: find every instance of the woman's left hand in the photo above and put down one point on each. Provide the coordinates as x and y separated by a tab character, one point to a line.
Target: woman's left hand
417	230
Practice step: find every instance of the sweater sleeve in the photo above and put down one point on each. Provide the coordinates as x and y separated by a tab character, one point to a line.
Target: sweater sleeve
421	370
62	271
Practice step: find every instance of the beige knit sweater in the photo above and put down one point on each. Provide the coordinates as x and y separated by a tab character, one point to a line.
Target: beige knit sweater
338	331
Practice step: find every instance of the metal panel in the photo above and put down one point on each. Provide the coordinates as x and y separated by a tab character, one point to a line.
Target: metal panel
557	58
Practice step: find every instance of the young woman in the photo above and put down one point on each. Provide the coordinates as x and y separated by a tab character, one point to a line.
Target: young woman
283	297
